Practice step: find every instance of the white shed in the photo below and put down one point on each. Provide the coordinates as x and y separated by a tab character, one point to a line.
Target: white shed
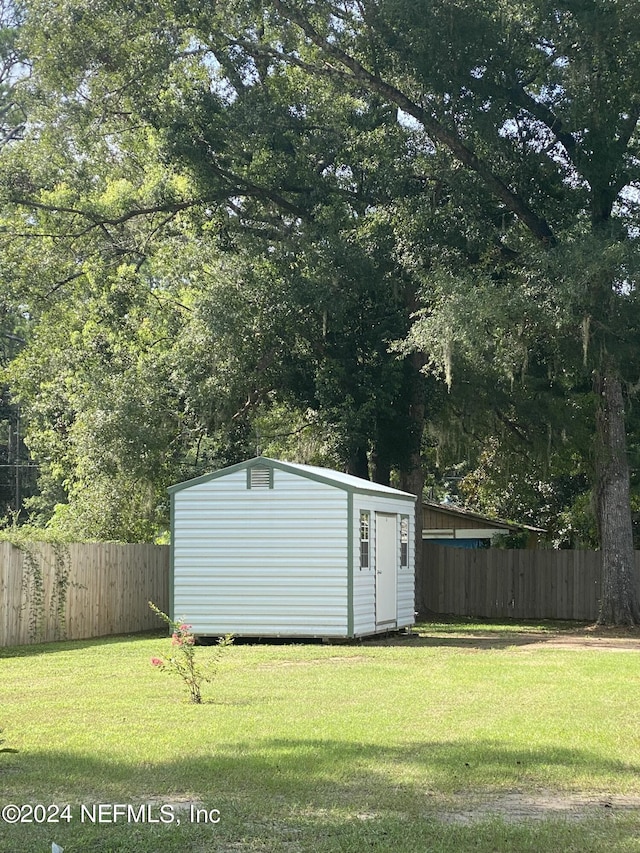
275	549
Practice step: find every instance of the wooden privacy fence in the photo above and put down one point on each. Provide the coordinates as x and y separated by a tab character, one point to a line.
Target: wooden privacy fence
50	592
526	584
78	591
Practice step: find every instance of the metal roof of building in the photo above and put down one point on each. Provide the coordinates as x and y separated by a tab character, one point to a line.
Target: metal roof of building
487	520
314	472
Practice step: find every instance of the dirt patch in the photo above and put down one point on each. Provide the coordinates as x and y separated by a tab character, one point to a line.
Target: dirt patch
595	641
601	639
517	806
532	642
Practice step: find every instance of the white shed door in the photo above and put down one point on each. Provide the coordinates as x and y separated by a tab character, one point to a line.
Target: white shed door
386	568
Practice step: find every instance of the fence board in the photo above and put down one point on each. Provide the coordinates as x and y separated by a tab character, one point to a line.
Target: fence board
79	591
520	584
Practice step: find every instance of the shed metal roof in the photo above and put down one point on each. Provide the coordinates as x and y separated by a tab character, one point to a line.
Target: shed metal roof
324	475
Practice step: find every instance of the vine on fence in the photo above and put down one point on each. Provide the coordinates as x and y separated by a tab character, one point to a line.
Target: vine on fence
33	587
61	572
33	590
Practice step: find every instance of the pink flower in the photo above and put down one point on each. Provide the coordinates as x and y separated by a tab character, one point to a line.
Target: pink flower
184	628
176	640
157	662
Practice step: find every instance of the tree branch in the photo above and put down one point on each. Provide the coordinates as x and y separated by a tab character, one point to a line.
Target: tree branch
102	221
521	98
538	227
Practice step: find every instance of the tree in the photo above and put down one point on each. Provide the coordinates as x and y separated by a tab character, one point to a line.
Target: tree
12	68
16	473
136	378
538	104
270	219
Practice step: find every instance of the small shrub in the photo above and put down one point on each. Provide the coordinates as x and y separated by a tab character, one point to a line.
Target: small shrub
182	658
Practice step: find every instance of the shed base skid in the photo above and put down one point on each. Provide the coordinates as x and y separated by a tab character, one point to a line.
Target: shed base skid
387	631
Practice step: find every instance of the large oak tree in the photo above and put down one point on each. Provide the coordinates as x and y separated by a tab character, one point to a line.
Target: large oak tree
539	103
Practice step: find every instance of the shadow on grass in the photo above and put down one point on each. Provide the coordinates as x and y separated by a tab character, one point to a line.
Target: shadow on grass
467	633
443	623
317	796
486	641
73	645
302	769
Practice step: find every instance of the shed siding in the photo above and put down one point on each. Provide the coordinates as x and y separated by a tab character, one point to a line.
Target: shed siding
406	579
365	579
269	562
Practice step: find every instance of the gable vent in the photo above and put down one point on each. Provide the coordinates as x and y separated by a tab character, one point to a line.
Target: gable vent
260	478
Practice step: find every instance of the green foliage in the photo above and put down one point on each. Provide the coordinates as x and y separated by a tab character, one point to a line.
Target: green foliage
214	258
99	416
538	279
231	225
12	68
182	659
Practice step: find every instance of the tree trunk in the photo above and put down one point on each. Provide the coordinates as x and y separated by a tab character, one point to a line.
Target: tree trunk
380	467
412	479
619	598
358	464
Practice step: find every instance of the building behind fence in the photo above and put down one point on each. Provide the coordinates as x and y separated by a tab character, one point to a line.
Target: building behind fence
53	591
525	584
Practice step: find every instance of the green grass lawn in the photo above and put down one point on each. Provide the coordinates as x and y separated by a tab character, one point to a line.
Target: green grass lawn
402	745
